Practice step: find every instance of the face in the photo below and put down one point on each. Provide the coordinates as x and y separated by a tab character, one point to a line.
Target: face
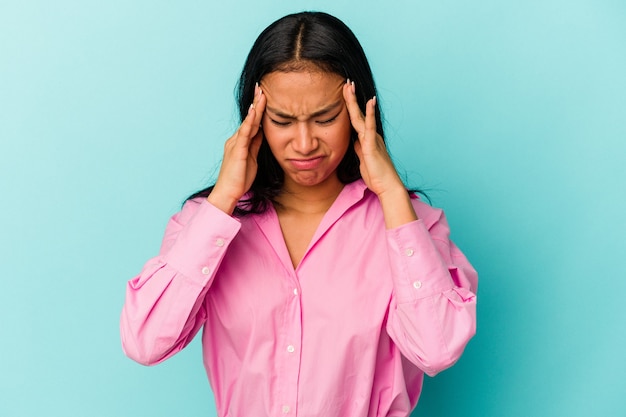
306	125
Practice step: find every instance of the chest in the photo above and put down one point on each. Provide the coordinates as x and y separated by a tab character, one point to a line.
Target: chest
297	232
343	276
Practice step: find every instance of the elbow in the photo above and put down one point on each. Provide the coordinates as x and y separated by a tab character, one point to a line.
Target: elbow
435	345
456	340
147	350
136	345
140	353
137	356
143	353
443	359
432	368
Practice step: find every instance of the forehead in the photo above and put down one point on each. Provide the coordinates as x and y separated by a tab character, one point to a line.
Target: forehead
299	92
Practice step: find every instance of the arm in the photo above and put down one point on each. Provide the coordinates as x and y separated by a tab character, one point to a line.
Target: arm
433	309
163	308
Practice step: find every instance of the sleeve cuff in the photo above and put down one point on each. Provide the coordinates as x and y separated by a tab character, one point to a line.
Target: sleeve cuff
202	243
417	267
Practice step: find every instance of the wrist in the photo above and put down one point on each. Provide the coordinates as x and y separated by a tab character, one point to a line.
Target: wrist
222	202
394	192
397	208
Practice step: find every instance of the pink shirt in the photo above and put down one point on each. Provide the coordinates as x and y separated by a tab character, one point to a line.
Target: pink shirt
349	332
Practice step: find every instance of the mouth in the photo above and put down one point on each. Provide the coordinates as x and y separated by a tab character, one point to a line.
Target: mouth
306	163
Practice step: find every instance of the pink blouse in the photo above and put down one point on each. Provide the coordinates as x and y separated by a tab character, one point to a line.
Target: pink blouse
349	332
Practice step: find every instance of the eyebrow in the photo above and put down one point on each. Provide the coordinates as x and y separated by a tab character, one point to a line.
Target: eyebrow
318	113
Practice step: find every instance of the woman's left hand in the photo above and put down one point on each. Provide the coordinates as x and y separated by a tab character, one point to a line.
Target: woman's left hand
376	166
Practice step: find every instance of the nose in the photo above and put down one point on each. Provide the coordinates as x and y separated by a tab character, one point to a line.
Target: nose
304	141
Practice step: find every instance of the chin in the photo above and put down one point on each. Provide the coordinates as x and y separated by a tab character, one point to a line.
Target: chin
308	179
308	182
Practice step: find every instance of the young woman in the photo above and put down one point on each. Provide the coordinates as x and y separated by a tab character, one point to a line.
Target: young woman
323	286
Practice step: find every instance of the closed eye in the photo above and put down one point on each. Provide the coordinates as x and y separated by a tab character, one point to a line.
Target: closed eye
327	122
277	123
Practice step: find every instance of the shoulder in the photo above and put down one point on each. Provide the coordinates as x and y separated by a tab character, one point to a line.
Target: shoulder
201	208
428	214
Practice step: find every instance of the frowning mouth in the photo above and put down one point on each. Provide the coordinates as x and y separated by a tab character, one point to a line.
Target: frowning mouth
306	163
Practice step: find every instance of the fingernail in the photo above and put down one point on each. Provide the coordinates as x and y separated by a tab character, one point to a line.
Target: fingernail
353	87
250	108
374	100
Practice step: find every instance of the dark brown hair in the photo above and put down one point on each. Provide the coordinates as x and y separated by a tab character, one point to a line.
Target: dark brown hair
293	43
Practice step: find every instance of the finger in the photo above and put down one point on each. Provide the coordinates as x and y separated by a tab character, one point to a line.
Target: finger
354	111
259	106
370	118
255	145
250	125
358	150
244	134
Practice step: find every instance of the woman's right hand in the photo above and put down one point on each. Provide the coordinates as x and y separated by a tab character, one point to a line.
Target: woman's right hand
239	165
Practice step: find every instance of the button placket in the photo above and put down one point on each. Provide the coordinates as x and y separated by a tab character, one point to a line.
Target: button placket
291	356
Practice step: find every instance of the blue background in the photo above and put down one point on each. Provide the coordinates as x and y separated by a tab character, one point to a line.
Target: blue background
510	113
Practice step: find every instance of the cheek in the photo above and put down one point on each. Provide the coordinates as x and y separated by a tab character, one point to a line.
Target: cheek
343	134
276	138
271	134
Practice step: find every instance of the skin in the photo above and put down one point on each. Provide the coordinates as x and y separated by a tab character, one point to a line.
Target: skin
306	117
307	127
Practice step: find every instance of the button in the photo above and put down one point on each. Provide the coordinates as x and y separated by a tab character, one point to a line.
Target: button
206	270
290	349
219	242
417	285
295	291
286	409
409	252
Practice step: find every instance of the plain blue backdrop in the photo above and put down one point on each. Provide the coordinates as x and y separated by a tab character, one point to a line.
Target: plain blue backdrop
510	113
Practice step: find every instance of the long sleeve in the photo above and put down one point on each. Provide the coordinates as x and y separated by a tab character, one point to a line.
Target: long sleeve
310	340
163	308
433	309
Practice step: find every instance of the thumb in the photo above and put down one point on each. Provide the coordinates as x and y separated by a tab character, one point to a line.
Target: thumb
359	150
255	144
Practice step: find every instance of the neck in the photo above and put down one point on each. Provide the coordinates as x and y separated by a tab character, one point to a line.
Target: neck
314	199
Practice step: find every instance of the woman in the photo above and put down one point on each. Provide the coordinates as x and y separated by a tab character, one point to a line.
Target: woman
324	287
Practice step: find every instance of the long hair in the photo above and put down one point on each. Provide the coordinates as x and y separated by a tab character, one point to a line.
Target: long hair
294	43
